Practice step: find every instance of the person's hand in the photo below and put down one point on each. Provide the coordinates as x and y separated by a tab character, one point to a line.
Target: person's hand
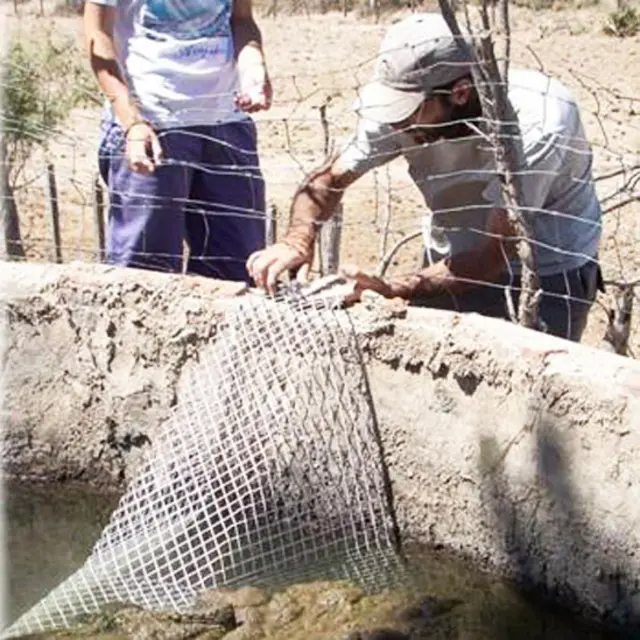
267	265
143	148
256	92
362	282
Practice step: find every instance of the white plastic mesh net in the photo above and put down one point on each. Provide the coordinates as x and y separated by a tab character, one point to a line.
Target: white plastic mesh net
269	470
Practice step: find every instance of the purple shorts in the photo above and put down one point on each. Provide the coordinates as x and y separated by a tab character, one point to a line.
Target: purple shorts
209	191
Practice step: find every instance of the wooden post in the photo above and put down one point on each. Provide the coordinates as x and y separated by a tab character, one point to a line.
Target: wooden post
52	206
271	226
331	232
98	216
386	219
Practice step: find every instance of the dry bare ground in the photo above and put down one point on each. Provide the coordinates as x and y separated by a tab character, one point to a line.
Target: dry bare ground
323	59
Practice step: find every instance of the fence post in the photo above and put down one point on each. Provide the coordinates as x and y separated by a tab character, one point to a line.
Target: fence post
271	225
331	232
52	207
98	216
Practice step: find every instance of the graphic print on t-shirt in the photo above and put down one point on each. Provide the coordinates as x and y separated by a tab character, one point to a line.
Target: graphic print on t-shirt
187	19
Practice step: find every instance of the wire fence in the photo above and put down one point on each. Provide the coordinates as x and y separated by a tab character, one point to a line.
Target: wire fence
62	207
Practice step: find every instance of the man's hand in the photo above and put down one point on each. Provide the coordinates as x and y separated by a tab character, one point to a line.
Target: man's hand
256	92
364	282
143	148
267	265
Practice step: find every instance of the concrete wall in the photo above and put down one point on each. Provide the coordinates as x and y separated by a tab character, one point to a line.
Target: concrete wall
517	449
93	362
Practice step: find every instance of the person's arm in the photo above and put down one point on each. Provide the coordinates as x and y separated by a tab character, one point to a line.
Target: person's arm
371	146
313	203
252	68
98	28
544	157
451	275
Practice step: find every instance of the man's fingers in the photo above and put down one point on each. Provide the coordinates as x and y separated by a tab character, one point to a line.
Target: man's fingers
352	271
276	269
261	269
139	160
253	101
267	265
365	281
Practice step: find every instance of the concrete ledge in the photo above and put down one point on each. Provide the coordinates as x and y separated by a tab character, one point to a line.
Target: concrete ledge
93	360
517	449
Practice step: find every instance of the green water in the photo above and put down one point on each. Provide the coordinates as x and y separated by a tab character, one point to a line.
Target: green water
50	534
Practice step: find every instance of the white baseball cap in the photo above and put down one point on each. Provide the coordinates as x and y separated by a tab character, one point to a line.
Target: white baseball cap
418	54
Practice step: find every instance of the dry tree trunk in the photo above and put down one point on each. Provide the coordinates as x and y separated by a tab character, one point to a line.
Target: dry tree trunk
616	337
504	136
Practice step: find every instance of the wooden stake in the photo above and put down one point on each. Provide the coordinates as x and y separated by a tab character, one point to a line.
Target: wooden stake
98	216
54	217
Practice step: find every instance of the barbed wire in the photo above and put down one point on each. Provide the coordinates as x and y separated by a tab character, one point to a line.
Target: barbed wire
382	222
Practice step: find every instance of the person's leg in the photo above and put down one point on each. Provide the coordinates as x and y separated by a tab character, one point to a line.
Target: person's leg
146	212
226	219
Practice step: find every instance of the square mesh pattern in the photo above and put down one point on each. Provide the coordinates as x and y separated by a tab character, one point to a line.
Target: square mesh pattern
268	471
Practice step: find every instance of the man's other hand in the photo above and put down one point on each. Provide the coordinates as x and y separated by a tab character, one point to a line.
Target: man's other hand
364	281
267	265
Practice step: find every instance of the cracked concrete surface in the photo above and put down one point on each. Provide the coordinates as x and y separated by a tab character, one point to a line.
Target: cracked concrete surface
519	450
92	363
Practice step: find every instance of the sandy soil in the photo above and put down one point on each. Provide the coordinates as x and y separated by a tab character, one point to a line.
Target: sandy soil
324	58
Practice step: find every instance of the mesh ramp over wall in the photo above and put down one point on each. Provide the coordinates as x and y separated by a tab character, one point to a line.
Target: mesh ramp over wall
268	471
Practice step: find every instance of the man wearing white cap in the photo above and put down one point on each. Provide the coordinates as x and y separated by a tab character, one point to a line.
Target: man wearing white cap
422	104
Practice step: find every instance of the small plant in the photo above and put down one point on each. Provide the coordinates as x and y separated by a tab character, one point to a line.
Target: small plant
43	79
623	23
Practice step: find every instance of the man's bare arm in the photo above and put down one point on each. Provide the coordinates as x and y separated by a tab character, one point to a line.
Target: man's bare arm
255	85
452	275
143	148
246	32
315	201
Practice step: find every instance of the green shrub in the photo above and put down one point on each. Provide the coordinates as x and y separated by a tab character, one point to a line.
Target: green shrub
623	23
43	80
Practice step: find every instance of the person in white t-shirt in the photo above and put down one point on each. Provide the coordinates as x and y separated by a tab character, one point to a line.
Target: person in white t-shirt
422	105
178	149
